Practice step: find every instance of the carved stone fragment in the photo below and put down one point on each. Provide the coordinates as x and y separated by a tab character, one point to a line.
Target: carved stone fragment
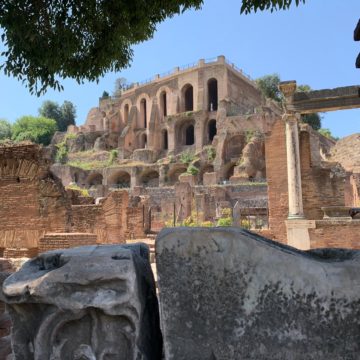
226	293
86	303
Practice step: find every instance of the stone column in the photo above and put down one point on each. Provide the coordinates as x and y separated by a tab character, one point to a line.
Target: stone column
296	210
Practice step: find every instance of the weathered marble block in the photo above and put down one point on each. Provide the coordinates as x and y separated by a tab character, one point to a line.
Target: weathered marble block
226	293
86	303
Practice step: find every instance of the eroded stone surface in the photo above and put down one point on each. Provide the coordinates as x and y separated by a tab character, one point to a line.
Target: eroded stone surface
228	294
92	302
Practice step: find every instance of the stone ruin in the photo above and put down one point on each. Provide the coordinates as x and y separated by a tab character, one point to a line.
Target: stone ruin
304	308
85	303
223	294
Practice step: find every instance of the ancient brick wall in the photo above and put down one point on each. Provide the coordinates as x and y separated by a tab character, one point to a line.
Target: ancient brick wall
18	253
32	201
335	234
56	241
107	220
89	219
320	186
135	229
276	172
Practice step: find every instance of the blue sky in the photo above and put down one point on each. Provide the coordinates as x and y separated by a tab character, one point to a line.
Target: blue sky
312	44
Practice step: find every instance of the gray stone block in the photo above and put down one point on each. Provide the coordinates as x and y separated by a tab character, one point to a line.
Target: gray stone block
226	293
91	302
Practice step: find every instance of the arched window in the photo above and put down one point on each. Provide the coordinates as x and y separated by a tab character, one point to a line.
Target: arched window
165	140
143	112
150	179
94	179
119	179
189	135
163	103
212	129
188	94
126	113
212	95
143	141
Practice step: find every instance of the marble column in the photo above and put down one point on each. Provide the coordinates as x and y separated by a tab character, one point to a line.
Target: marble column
296	210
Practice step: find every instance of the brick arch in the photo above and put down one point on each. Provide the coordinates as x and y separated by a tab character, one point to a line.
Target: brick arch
119	179
149	178
174	173
124	116
163	89
141	120
183	131
187	97
94	179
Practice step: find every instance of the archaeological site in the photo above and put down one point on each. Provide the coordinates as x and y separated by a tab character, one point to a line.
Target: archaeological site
189	218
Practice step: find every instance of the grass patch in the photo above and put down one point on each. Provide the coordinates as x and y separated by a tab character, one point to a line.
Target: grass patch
84	192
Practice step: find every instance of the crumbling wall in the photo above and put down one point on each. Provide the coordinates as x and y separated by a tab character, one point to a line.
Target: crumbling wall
276	171
32	200
322	185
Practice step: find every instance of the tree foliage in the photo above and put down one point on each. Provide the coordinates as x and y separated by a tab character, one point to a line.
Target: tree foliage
5	129
64	115
253	5
327	133
269	86
120	85
79	39
36	129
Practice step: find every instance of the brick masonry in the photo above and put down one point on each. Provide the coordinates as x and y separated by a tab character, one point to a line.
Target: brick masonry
55	241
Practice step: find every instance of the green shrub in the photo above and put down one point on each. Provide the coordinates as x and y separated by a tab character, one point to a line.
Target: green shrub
211	153
207	224
84	192
61	153
187	157
245	223
39	130
226	221
113	156
5	129
226	217
192	169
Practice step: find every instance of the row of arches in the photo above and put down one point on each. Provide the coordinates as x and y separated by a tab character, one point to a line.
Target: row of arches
185	135
122	180
185	132
187	102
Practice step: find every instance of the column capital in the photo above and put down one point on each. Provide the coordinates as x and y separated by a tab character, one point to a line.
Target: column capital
288	88
290	118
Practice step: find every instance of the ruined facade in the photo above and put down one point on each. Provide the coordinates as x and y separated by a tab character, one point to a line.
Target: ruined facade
210	108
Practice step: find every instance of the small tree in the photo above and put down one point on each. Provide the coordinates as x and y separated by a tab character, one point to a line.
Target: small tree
269	86
327	133
68	112
120	85
36	129
105	95
64	115
5	129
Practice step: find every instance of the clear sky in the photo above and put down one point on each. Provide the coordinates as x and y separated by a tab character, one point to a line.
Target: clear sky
312	44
